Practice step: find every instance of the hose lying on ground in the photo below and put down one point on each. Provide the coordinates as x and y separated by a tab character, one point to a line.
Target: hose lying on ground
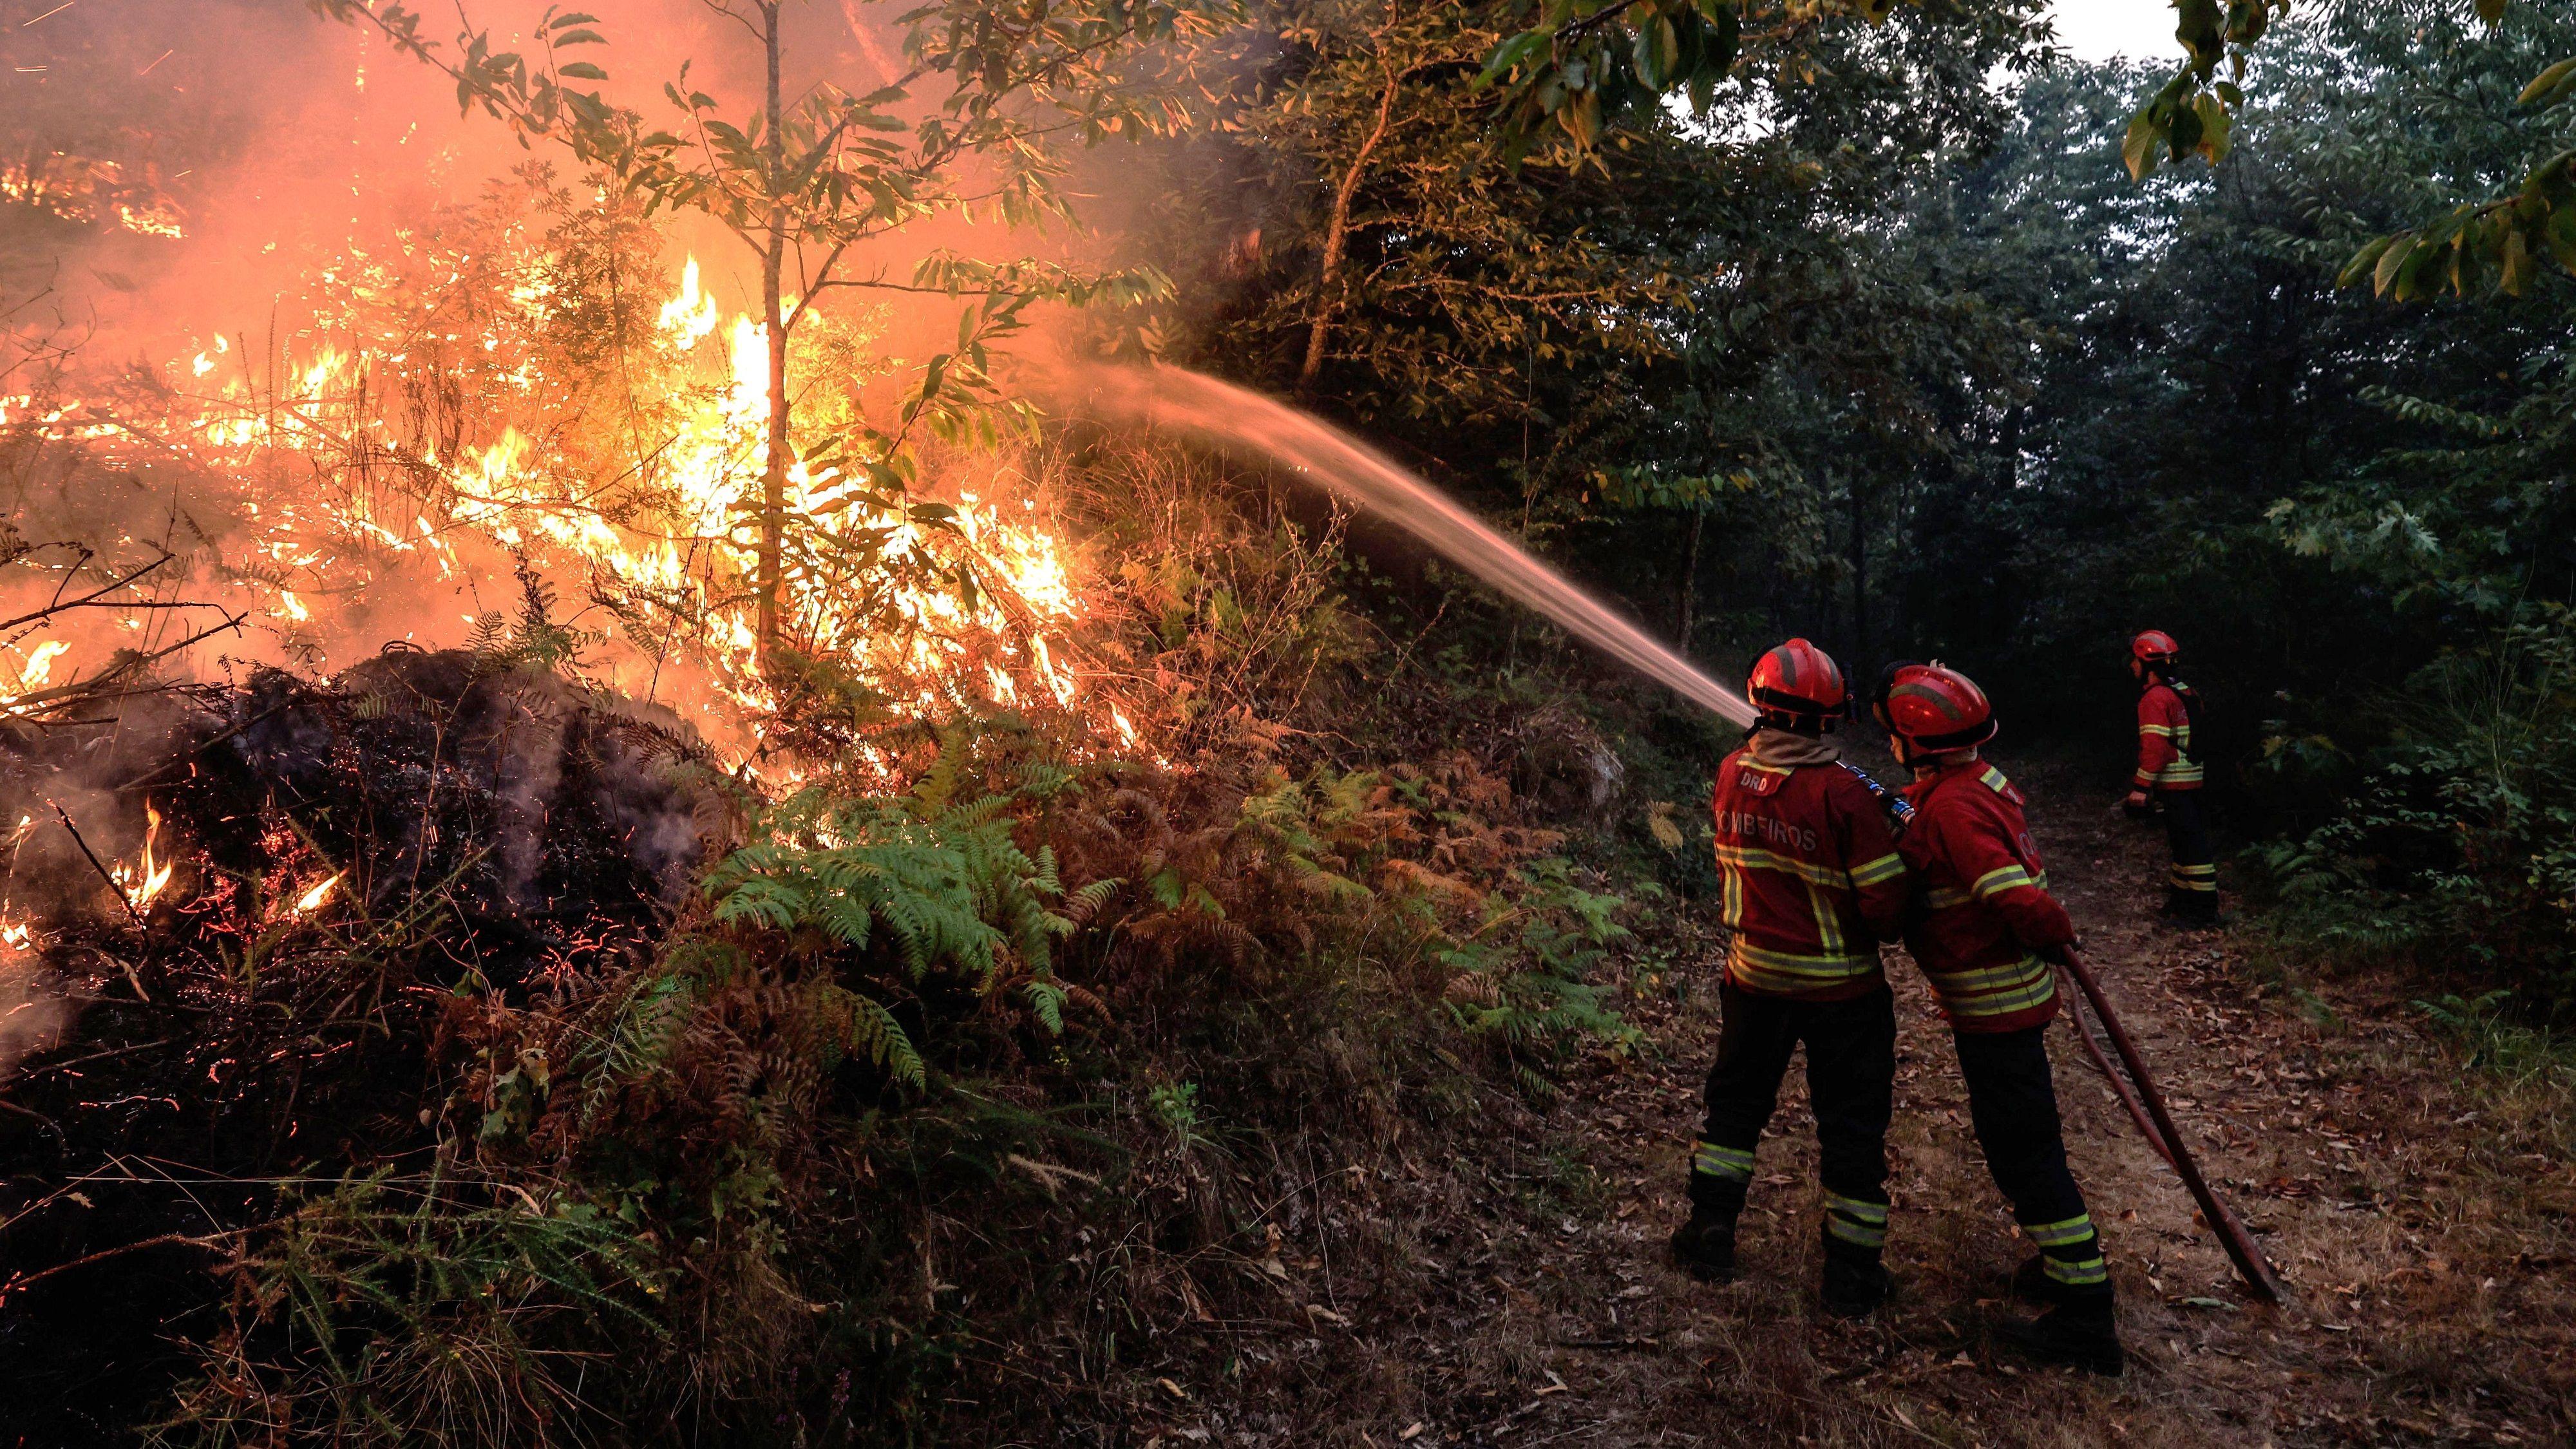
2157	1124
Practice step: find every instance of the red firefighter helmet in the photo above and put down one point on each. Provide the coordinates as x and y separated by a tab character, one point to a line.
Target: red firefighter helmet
1934	707
1797	679
2155	646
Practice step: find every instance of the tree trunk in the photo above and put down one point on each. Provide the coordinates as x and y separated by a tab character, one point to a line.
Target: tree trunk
1337	231
1690	584
773	263
1860	579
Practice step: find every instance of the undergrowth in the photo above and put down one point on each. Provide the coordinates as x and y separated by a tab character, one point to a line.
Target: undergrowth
2455	855
805	1172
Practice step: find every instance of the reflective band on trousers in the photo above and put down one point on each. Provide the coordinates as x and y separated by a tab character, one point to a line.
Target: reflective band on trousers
2062	1234
1714	1161
1862	1224
2082	1273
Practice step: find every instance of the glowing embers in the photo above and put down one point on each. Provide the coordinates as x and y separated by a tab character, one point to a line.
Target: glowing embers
314	899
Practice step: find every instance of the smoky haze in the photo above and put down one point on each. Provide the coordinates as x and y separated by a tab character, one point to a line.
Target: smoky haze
278	137
236	152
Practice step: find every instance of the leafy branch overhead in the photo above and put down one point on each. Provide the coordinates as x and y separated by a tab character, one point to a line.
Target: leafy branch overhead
1585	63
2195	112
2478	246
2491	245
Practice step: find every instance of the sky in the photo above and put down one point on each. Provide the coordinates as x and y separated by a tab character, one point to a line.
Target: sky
2100	29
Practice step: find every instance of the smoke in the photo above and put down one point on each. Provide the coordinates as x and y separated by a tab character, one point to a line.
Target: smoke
33	1013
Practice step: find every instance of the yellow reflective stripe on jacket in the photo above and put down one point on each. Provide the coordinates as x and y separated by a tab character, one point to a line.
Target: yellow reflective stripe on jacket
2001	878
1942	898
1745	857
1886	868
1995	990
1787	973
1829	922
2182	769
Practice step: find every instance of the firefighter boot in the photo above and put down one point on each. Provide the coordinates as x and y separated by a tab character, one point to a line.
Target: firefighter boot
2032	1284
2190	910
2078	1333
1704	1247
1855	1282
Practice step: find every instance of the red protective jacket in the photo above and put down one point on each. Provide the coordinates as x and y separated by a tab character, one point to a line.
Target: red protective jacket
2164	742
1986	911
1813	881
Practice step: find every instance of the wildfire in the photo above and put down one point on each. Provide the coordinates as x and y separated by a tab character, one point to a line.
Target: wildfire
646	535
312	900
35	674
144	882
669	547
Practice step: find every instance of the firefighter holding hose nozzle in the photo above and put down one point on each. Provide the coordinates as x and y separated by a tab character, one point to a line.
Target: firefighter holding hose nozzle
1812	884
2170	774
1985	934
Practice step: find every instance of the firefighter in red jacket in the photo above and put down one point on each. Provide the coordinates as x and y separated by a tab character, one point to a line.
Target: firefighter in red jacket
1984	932
1813	883
2168	770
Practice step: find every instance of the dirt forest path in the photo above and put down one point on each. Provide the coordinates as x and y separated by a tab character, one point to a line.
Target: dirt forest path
2419	1212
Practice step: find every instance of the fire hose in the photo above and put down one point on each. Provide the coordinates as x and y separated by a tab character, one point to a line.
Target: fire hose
2147	1108
2146	1105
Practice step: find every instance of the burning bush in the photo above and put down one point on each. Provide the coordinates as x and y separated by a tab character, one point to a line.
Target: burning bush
533	1116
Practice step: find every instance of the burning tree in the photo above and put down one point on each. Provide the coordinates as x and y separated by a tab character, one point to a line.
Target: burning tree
807	186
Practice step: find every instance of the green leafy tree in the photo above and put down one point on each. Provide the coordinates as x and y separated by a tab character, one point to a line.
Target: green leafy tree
1622	351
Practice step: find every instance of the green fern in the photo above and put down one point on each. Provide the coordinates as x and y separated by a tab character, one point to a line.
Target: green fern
912	883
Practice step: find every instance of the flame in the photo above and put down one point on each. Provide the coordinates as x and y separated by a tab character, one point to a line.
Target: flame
143	883
313	898
653	541
36	673
150	221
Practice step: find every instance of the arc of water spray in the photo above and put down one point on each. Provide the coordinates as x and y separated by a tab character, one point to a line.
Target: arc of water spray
1359	473
1354	471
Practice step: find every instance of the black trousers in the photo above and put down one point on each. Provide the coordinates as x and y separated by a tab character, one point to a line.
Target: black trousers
2193	882
1851	1078
2012	1101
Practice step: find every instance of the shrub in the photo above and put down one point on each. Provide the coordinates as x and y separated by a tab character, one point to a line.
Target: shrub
2458	850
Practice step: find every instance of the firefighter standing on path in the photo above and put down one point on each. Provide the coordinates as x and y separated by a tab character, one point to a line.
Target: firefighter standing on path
2169	771
1813	883
1985	935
